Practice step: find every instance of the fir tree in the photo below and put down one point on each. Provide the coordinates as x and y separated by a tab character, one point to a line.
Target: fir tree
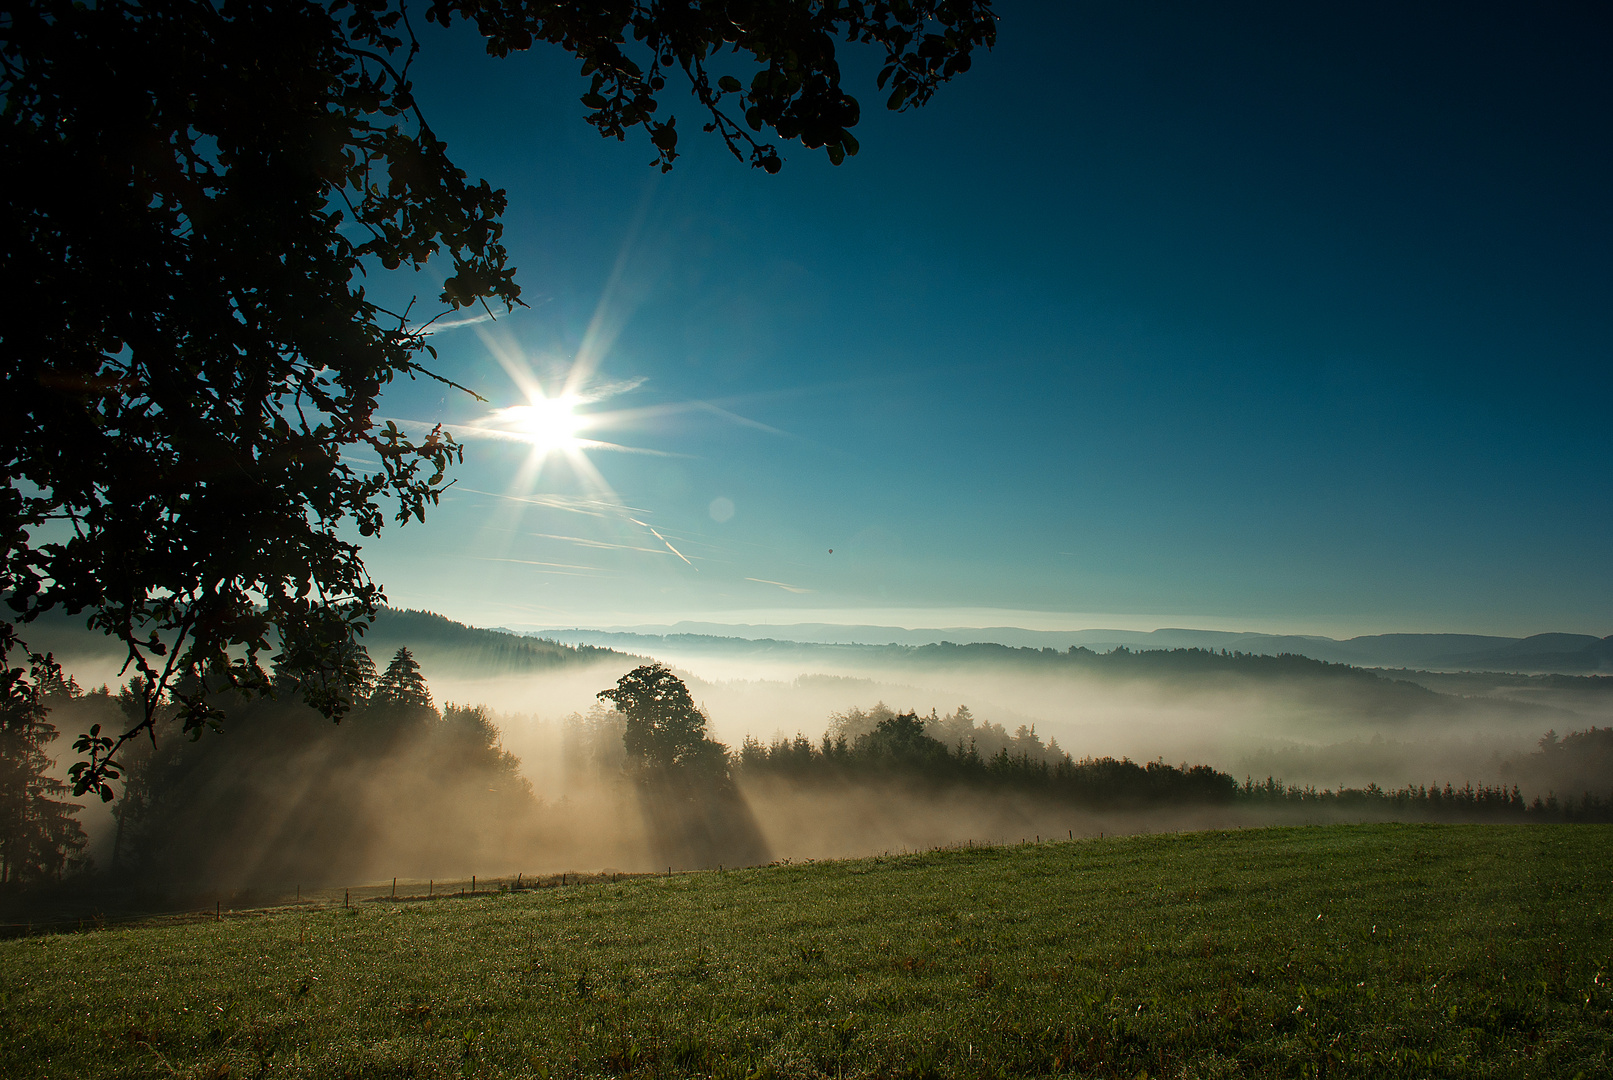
402	683
39	835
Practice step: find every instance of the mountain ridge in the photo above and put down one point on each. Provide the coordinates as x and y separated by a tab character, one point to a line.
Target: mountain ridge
1549	653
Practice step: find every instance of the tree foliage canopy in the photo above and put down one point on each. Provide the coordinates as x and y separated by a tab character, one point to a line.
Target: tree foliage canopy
288	797
195	194
665	730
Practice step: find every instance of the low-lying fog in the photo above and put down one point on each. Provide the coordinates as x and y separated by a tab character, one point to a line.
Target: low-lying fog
1302	729
1299	731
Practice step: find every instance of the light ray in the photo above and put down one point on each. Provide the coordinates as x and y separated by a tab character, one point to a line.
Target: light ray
612	312
508	354
481	431
562	417
742	421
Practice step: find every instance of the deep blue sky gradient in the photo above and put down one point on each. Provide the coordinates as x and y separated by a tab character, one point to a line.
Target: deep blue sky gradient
1249	316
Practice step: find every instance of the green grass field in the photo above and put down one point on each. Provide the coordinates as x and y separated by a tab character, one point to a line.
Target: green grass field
1339	951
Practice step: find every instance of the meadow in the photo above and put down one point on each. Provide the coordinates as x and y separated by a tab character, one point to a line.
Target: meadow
1351	950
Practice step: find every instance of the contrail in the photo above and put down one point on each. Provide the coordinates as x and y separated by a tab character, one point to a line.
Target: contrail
559	568
780	584
585	542
439	324
667	542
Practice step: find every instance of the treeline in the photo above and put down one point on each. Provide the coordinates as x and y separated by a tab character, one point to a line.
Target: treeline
937	751
399	787
1152	662
1576	762
402	787
1434	803
1575	772
281	794
904	747
452	646
40	836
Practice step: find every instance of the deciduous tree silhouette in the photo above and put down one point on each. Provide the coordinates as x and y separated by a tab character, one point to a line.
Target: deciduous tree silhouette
695	815
193	196
901	739
665	730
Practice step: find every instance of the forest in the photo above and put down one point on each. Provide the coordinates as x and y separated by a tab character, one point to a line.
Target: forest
403	788
948	750
280	793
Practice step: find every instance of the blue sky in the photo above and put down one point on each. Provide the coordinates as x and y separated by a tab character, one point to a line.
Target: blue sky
1250	317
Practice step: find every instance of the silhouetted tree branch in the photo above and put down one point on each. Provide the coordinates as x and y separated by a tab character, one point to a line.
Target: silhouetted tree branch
193	197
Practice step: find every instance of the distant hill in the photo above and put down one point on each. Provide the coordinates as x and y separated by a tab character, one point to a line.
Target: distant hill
1123	661
1317	689
1564	654
1568	654
443	643
483	651
436	641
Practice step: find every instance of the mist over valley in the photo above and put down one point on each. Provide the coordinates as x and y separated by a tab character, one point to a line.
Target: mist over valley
510	763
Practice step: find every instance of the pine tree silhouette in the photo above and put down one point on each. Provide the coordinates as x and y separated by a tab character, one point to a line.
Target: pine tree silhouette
38	832
402	683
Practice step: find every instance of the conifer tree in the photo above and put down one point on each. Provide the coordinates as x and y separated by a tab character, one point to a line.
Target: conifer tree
402	683
39	835
357	672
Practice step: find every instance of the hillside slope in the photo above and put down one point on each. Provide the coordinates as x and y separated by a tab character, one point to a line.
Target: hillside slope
433	639
441	642
1569	654
1343	952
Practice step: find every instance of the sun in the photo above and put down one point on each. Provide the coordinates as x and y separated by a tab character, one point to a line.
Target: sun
548	424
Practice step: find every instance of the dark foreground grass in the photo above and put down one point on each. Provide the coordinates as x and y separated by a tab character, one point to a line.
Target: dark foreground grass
1341	951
